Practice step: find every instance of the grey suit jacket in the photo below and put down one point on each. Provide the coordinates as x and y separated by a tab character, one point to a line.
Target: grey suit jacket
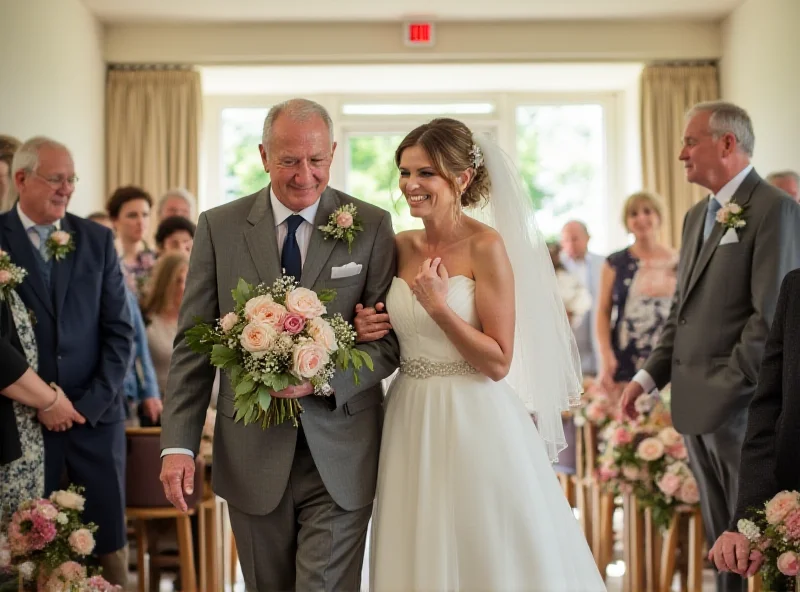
252	465
585	335
712	343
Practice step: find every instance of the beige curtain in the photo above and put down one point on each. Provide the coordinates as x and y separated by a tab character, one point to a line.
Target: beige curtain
667	92
152	129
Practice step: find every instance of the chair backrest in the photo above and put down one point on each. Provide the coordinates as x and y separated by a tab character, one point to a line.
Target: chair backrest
143	487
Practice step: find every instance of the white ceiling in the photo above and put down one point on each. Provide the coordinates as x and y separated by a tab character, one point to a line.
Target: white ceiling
397	10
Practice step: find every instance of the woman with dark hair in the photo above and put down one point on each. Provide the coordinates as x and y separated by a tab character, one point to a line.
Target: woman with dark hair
129	210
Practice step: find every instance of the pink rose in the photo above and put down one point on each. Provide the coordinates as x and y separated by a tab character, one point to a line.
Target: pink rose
791	526
596	411
293	323
228	321
321	332
60	238
308	359
678	451
46	510
650	449
669	484
781	506
606	472
257	338
81	541
631	472
788	564
670	437
265	309
5	276
688	493
344	220
621	436
305	302
722	215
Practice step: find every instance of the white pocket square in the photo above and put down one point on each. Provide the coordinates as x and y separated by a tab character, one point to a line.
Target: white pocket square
344	271
729	237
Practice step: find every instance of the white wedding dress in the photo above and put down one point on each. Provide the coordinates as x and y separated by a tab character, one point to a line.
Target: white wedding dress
467	499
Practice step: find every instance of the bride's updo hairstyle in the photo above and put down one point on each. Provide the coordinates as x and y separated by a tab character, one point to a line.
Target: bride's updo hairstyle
452	150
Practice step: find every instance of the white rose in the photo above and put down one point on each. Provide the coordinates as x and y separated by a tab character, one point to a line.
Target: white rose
257	338
308	359
305	302
321	331
670	436
650	449
68	500
256	305
60	238
26	570
734	208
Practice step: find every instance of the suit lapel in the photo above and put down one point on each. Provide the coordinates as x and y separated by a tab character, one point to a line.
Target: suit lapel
23	254
261	239
62	270
319	249
741	197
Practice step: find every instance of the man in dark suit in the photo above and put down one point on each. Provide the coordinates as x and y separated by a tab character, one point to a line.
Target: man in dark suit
770	455
83	332
728	282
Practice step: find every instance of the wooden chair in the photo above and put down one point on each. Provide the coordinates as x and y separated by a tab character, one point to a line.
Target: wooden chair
146	501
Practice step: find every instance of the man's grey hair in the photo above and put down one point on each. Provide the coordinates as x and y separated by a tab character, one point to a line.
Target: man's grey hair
727	118
297	110
181	192
787	174
580	223
27	157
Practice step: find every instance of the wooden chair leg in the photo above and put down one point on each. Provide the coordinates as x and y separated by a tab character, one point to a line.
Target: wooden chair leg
142	556
754	584
633	546
234	561
668	554
606	528
652	553
696	552
186	550
211	544
202	560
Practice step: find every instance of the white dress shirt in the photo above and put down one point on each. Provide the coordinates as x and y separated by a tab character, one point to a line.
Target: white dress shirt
723	197
28	225
303	234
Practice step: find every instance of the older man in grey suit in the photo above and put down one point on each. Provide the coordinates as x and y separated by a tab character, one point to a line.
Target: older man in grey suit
300	498
587	267
728	284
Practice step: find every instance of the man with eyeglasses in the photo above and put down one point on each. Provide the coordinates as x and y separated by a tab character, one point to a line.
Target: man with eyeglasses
84	336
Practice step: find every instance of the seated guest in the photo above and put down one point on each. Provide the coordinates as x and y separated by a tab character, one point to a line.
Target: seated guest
770	456
177	202
8	146
161	308
129	210
175	235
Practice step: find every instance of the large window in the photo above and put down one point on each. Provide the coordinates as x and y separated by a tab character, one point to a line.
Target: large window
562	148
561	156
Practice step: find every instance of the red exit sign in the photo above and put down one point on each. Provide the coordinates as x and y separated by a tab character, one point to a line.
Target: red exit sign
418	34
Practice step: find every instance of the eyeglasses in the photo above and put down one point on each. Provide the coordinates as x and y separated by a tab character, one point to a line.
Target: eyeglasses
57	181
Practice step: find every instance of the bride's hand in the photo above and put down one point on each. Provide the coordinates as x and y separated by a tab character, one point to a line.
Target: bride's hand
430	286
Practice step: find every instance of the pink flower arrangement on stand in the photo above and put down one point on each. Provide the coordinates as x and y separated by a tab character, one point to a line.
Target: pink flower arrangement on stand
596	408
44	543
775	531
648	459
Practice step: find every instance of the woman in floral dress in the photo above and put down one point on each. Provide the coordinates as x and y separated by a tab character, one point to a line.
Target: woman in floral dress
636	290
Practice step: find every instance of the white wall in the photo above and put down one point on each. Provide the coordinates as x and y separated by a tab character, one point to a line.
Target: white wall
52	82
760	71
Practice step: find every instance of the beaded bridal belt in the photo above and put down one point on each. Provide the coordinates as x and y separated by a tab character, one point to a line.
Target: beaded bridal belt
422	368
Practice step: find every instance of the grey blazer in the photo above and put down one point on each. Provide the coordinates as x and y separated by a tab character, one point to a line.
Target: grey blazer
250	465
724	304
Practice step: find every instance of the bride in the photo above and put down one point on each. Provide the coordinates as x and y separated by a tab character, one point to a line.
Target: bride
467	498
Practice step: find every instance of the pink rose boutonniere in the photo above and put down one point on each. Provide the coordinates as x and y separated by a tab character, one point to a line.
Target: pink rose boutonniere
10	275
731	215
60	244
343	224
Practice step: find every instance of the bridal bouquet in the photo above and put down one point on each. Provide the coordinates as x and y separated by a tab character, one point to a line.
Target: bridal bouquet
44	544
647	457
277	336
775	531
